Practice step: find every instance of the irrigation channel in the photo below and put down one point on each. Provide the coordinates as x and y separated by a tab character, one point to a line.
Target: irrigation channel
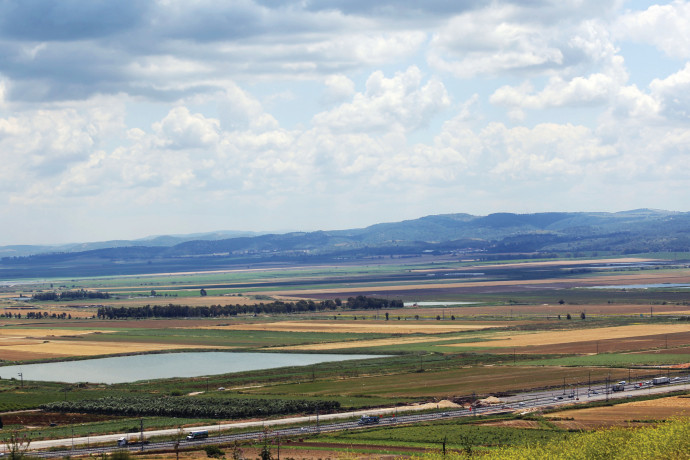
523	401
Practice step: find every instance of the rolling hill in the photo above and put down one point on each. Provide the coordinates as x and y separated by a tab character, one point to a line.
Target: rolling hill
636	231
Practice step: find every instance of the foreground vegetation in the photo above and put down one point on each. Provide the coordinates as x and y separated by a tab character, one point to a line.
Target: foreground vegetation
669	440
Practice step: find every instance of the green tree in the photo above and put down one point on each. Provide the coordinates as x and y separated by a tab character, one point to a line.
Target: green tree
213	451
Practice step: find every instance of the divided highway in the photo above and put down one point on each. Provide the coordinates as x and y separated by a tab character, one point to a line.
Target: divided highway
330	422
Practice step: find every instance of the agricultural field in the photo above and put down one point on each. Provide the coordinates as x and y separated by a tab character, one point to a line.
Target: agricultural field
467	330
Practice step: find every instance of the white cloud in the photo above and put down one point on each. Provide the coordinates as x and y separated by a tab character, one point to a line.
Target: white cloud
180	129
400	102
548	150
338	88
673	93
492	41
664	26
593	89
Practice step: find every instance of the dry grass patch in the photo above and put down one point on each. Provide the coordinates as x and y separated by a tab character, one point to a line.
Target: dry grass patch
64	348
45	333
623	414
580	335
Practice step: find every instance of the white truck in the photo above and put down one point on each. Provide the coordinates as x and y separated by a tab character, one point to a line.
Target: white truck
660	380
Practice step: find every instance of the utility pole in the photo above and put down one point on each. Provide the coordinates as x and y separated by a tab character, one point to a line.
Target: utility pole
141	438
607	387
21	376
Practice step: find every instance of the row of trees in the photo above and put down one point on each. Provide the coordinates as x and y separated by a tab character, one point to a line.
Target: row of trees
45	314
70	295
192	407
215	311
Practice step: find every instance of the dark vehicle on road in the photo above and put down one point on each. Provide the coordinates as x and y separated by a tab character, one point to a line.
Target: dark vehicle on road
368	420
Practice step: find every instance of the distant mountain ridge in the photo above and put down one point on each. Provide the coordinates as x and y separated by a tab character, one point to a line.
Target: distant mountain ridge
641	230
160	240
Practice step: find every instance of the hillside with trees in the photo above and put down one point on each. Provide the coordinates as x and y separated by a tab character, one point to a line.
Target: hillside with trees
529	235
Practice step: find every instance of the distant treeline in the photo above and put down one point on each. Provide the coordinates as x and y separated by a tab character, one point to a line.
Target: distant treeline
214	311
36	315
70	295
191	407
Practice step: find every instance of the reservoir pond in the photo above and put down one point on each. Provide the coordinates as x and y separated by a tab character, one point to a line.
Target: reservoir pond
123	369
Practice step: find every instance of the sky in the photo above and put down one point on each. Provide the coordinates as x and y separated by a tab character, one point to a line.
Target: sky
124	119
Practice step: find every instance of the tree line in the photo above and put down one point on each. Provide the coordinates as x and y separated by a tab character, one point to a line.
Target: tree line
36	315
70	295
215	311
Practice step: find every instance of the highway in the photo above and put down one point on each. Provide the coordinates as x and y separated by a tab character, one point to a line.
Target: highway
334	422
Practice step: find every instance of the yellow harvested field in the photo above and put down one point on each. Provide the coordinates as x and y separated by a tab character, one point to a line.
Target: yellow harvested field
362	343
44	332
59	348
362	327
38	343
580	335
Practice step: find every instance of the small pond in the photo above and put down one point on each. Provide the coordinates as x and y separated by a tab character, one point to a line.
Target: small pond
124	369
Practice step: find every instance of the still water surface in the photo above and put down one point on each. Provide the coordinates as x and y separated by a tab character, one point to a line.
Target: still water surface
161	366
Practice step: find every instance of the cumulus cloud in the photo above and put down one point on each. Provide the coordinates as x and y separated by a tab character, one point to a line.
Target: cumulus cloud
593	89
673	93
181	129
400	102
664	26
